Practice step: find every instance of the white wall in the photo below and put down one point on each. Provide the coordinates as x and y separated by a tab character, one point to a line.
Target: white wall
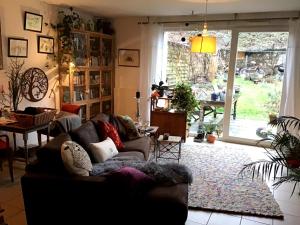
12	25
127	79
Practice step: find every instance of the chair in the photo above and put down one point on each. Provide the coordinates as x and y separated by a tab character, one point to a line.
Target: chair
6	153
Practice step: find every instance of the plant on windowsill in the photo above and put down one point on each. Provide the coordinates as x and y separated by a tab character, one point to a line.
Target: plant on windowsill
184	99
283	164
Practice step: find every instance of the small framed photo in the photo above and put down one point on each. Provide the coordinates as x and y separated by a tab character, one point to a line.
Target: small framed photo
45	45
17	47
129	57
33	22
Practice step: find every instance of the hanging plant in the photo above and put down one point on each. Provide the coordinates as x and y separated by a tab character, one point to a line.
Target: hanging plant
69	21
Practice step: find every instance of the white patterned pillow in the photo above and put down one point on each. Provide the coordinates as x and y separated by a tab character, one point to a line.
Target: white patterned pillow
75	158
103	150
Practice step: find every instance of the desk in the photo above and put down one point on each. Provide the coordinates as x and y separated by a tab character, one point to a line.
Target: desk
18	128
211	106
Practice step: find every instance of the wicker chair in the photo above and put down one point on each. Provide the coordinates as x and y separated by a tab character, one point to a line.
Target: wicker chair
6	153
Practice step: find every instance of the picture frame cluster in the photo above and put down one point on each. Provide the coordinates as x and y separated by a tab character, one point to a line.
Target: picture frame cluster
18	47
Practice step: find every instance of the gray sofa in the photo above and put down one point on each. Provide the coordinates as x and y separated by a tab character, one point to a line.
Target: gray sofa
53	196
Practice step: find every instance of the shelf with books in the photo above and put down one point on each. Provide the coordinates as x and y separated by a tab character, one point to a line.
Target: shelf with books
90	81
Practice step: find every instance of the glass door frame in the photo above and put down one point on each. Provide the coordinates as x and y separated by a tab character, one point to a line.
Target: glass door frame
231	73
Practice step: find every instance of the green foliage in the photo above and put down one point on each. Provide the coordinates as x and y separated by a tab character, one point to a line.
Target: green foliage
210	127
68	21
273	101
284	148
184	99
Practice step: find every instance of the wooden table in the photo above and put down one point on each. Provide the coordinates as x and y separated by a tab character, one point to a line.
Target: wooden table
211	106
24	130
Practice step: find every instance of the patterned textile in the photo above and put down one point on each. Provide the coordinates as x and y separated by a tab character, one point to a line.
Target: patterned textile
217	185
75	158
131	129
108	130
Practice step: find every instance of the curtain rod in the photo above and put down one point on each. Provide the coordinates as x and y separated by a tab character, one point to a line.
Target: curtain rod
223	17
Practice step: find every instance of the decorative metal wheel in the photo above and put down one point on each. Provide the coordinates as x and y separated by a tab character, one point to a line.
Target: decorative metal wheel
34	84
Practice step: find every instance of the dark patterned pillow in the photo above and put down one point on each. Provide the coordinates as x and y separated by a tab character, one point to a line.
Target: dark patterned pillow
131	129
75	158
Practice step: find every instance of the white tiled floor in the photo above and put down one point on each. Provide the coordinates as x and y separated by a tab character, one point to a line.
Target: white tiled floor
11	200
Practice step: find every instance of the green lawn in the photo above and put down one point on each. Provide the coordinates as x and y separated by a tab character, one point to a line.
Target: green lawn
253	100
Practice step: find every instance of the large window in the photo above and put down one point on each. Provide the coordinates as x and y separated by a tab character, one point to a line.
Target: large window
255	86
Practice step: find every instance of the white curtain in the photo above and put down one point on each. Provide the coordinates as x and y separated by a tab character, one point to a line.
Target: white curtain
152	40
290	103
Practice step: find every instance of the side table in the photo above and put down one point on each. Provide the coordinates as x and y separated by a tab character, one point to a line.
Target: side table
168	149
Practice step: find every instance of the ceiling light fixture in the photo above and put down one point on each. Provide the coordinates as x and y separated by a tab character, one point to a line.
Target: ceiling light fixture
203	43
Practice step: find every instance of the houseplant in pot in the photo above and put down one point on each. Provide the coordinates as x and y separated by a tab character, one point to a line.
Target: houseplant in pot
283	163
210	128
184	99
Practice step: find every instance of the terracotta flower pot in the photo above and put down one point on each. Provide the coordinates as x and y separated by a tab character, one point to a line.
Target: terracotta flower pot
211	138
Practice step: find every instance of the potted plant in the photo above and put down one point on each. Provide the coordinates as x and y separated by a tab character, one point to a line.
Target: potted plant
184	99
284	154
210	128
68	22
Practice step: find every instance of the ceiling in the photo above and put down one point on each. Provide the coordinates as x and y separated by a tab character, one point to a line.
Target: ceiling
116	8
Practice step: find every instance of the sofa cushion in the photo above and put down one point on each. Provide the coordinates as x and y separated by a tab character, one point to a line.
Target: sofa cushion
75	158
102	117
141	145
103	150
131	129
108	130
130	155
85	135
49	155
114	120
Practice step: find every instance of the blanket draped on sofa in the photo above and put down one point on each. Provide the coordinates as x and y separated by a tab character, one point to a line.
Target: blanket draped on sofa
163	174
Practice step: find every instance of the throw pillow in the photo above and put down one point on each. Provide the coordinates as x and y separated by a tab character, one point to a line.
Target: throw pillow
103	150
75	158
131	129
108	130
133	181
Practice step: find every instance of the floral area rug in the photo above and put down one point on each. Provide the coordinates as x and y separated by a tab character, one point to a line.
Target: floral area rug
218	187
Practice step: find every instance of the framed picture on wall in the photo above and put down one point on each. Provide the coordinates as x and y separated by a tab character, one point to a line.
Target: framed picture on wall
45	45
17	47
129	57
1	56
33	22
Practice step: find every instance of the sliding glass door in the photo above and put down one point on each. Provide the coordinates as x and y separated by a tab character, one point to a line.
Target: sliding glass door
254	84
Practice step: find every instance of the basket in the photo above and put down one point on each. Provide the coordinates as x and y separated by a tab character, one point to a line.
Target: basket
44	116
